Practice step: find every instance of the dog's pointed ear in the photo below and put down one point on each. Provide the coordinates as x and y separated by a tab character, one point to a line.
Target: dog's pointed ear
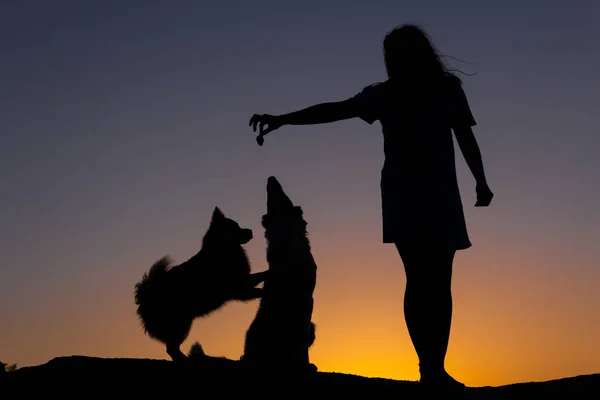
217	214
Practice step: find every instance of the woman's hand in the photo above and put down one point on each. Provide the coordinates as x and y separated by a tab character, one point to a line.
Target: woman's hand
266	124
484	195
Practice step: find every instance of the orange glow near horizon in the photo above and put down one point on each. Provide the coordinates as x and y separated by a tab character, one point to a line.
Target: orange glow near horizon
504	329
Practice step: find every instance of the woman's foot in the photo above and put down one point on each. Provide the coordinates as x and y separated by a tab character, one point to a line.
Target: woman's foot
440	380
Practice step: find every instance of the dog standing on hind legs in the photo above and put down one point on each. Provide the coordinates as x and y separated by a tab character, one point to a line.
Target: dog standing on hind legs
281	333
169	298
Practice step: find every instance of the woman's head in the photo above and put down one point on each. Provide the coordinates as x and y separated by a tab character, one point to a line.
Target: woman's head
409	54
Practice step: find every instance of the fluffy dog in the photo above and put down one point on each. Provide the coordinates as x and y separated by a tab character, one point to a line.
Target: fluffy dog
282	332
169	298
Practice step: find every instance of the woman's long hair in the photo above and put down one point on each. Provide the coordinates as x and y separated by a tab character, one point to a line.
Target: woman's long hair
410	57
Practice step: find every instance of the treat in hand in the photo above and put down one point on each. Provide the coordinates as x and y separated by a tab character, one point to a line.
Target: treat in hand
265	123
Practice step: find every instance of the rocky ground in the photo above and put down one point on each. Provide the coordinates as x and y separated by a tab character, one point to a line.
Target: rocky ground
223	378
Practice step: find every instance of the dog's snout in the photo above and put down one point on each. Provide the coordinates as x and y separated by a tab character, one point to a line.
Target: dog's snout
247	236
272	183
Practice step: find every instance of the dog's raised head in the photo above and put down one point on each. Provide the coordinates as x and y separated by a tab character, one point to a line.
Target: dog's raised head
226	231
284	222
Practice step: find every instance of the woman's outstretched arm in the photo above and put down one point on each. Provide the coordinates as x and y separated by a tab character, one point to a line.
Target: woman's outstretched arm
317	114
320	114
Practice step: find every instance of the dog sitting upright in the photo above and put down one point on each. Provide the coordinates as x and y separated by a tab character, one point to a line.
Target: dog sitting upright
170	298
282	331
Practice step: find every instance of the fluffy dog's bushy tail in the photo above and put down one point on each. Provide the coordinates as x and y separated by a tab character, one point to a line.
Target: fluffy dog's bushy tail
147	290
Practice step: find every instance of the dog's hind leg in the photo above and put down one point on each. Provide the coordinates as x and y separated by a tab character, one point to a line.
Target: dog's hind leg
178	330
174	351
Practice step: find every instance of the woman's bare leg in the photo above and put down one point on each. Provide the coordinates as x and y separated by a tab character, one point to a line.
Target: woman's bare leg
428	309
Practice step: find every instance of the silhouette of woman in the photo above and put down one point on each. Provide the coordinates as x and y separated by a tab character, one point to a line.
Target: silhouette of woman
418	106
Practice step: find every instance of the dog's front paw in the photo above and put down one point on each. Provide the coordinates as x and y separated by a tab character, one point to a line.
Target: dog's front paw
253	293
258	277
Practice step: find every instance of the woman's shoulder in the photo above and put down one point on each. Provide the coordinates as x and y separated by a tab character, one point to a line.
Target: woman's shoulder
452	79
452	82
375	87
377	90
370	93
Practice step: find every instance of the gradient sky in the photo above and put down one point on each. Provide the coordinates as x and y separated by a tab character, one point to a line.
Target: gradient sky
122	126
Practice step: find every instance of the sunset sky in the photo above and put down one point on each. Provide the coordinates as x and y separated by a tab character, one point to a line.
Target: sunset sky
122	126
